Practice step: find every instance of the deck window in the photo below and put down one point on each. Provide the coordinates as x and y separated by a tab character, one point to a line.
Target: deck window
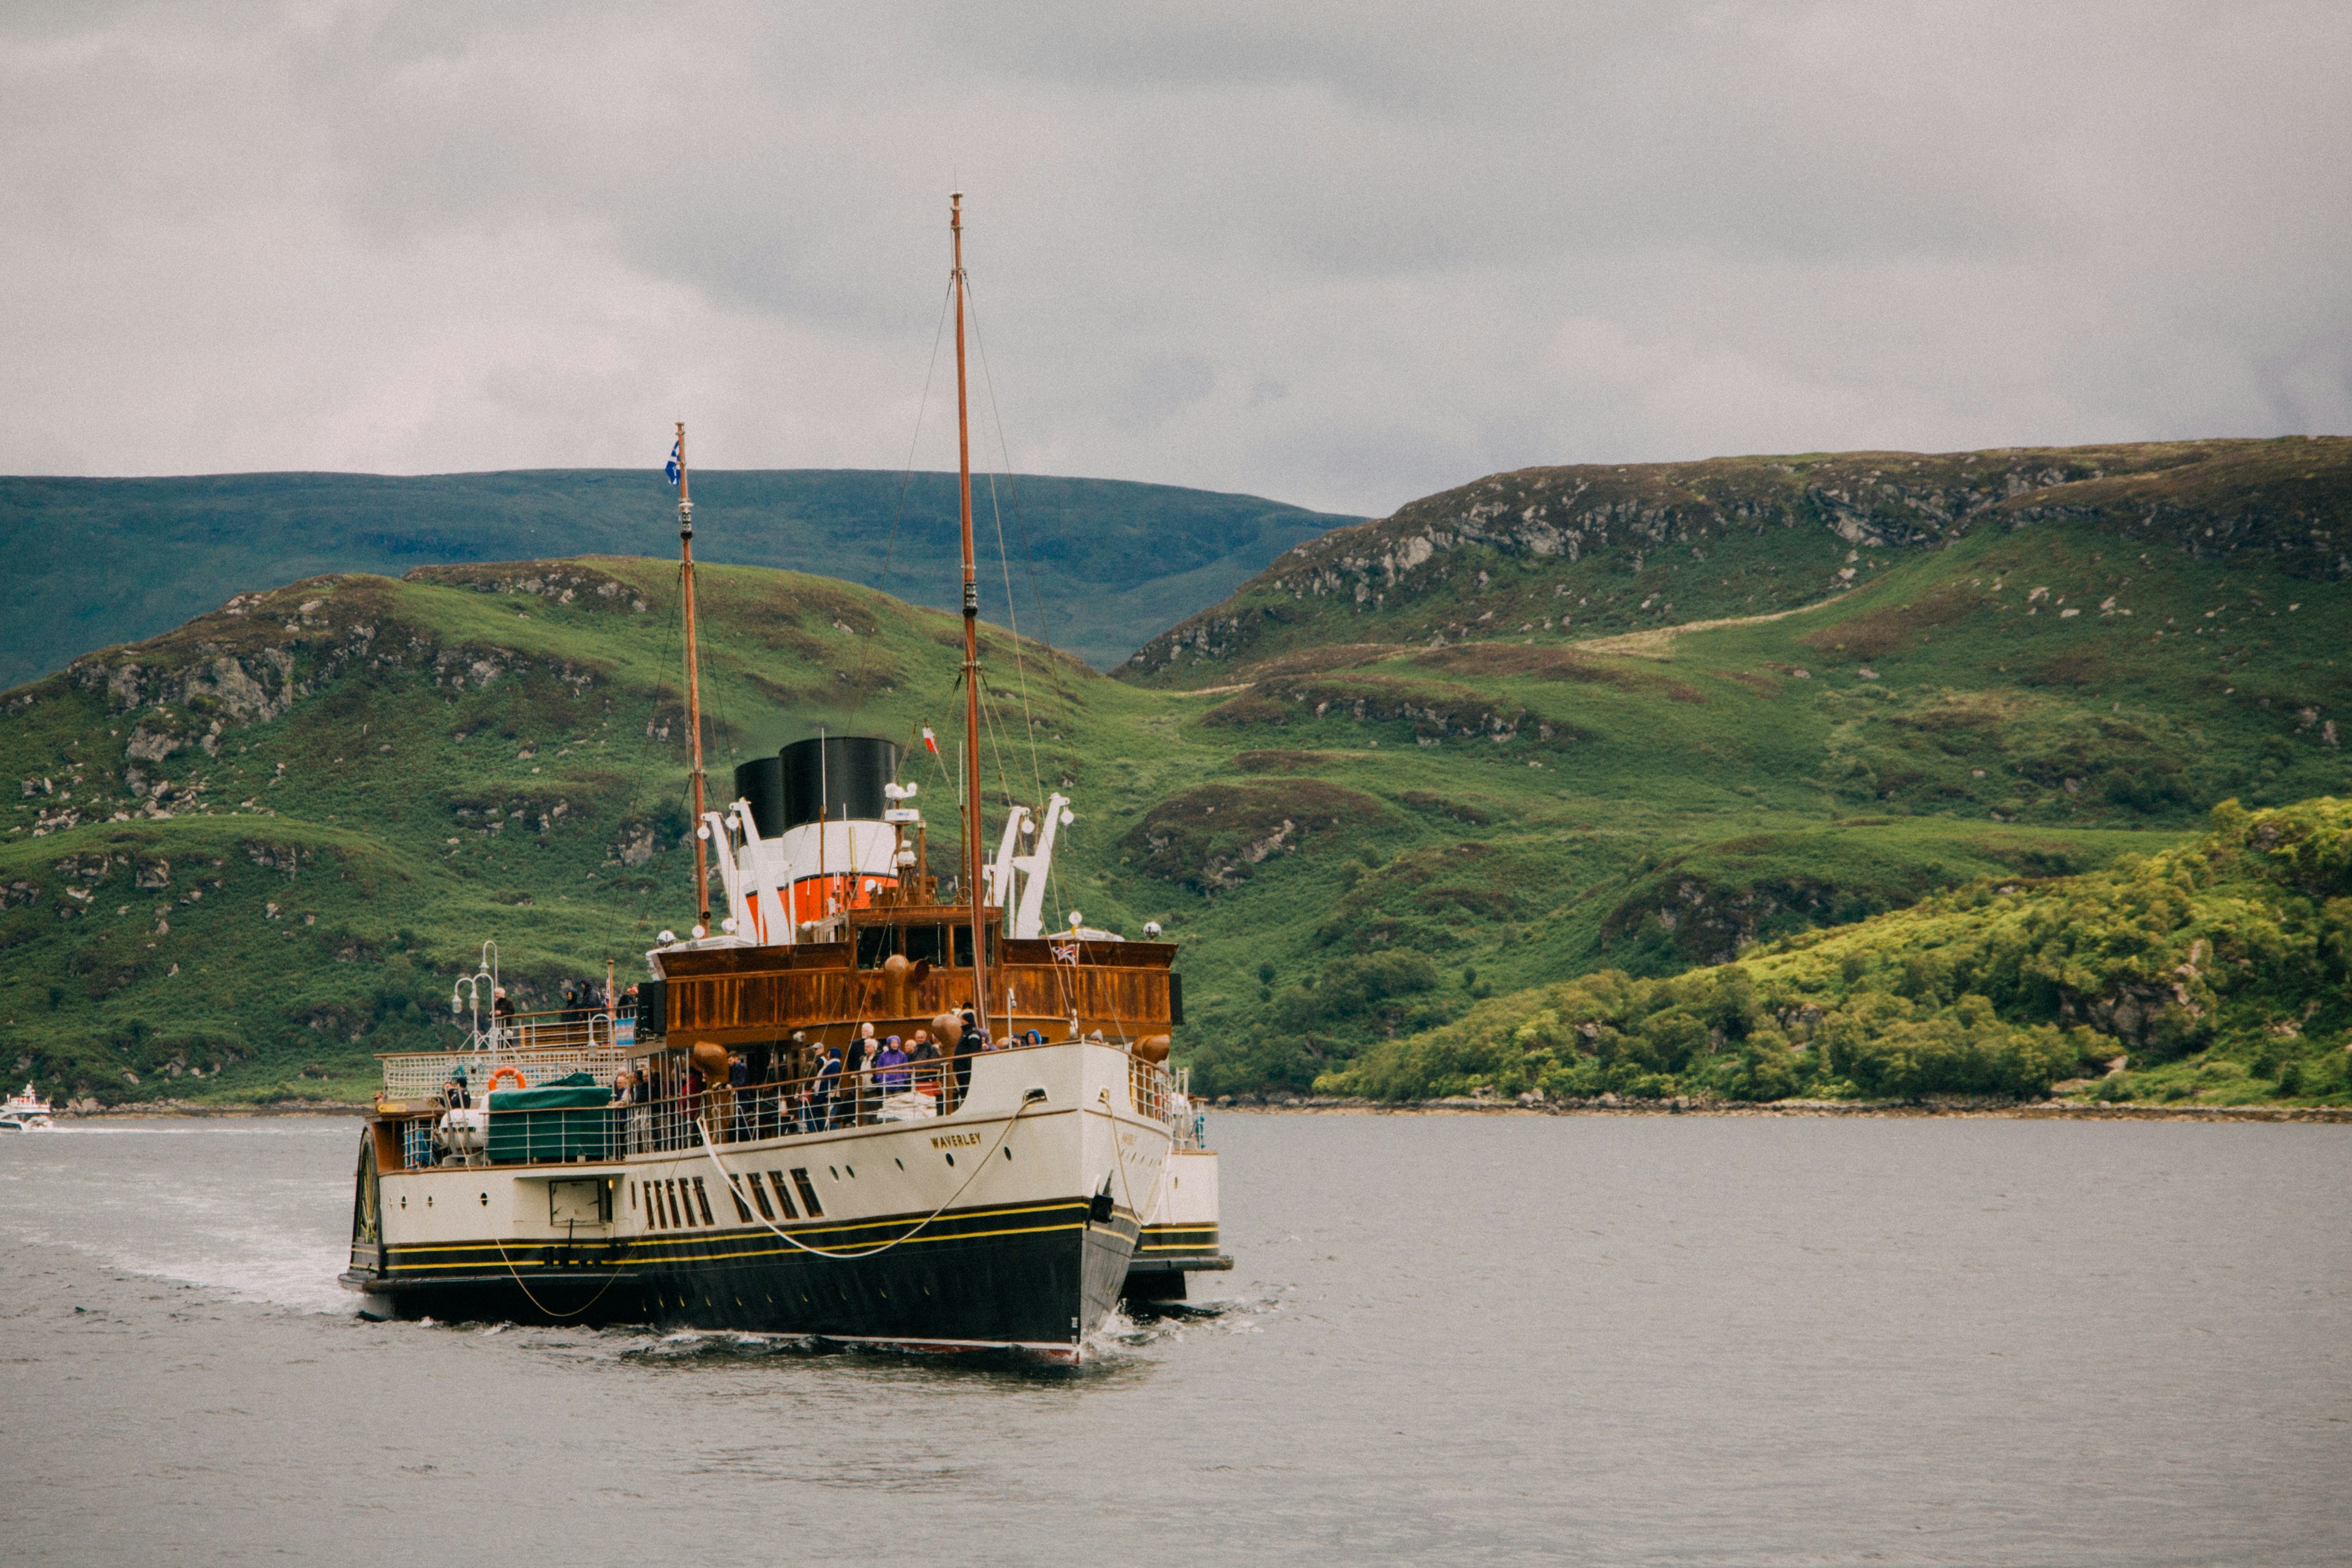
702	1199
760	1196
783	1195
808	1192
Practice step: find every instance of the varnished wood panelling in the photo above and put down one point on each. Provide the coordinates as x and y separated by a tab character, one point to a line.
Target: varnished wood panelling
729	1008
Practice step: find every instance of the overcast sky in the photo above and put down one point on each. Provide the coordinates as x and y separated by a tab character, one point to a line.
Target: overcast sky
1342	256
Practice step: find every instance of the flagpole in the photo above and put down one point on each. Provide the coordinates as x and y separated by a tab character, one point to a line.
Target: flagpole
973	850
693	685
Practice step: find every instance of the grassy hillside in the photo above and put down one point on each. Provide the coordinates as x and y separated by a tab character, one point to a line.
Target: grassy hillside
1355	841
100	562
2217	972
1560	556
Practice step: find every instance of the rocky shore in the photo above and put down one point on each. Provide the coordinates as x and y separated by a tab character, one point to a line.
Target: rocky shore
1613	1105
150	1108
1471	1105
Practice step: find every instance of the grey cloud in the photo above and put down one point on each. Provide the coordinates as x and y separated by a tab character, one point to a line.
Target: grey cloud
1342	255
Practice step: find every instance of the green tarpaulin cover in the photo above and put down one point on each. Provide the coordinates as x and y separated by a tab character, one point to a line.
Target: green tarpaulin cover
571	1093
563	1119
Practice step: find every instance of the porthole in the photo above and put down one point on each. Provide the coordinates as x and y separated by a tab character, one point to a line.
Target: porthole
404	1200
1008	1151
952	1158
428	1200
900	1163
486	1200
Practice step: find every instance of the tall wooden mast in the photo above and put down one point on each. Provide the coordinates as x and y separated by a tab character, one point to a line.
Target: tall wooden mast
972	849
694	685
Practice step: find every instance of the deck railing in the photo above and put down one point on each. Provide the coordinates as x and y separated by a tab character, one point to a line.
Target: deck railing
540	1045
650	1114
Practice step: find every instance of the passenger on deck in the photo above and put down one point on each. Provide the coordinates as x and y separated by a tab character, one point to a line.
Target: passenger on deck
801	1062
761	1061
624	1096
828	1097
925	1050
891	1057
502	1011
738	1080
855	1068
960	1069
455	1096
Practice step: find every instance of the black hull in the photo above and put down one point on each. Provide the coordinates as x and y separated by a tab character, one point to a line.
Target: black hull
551	1299
1039	1276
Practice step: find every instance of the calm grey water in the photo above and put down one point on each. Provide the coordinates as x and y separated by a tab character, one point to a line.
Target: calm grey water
1583	1340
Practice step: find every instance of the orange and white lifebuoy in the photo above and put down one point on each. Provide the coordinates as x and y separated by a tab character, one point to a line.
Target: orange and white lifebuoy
514	1073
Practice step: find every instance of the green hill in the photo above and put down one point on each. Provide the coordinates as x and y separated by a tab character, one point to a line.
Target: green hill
1560	556
100	562
2217	972
1356	841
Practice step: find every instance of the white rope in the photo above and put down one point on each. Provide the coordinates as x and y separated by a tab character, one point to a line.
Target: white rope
728	1177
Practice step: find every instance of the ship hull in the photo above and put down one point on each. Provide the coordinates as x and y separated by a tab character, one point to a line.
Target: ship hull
875	1234
1039	1277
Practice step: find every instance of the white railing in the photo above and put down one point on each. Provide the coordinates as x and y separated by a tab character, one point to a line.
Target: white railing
540	1045
658	1108
1187	1126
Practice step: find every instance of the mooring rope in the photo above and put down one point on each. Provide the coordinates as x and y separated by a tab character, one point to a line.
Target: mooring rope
1034	1096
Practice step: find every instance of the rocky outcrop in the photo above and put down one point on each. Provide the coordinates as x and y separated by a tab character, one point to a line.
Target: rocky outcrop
1436	713
2291	498
558	582
1213	836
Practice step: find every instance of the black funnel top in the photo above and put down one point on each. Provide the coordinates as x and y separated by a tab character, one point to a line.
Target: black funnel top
761	781
837	779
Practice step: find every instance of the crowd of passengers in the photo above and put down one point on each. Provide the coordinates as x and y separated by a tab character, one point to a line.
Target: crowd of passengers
796	1085
802	1087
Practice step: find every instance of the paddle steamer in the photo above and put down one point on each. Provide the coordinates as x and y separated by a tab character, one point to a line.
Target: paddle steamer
693	1160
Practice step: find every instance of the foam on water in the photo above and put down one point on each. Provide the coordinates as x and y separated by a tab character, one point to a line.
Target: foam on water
250	1208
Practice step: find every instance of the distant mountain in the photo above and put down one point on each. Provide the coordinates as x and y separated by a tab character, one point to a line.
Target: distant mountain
1565	554
98	562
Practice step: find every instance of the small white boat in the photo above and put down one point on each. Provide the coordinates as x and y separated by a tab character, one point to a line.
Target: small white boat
25	1112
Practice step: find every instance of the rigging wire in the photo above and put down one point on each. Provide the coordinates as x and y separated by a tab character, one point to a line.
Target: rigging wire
1029	559
1005	556
906	480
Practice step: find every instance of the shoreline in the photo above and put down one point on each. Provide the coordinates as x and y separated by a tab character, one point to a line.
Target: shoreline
2026	1111
1326	1105
174	1110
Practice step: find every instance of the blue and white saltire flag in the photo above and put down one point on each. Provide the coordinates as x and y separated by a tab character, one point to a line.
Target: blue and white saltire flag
674	451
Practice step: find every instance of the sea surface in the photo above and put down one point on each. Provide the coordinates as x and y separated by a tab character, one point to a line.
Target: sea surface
1448	1340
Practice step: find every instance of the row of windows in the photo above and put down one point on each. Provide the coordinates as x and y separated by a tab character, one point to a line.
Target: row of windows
681	1203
